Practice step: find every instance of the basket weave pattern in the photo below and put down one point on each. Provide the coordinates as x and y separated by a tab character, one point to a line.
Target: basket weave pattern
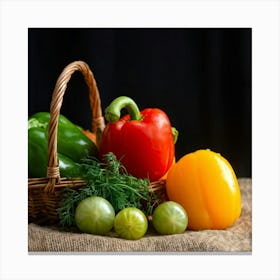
44	194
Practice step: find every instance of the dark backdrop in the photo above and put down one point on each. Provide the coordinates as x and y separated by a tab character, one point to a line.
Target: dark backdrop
200	77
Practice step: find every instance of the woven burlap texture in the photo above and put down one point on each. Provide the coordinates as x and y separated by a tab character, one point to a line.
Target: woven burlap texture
237	238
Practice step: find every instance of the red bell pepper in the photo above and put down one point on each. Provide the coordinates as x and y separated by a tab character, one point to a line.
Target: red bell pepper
142	141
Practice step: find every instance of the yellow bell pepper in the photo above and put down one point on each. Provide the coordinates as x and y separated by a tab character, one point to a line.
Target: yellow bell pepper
205	184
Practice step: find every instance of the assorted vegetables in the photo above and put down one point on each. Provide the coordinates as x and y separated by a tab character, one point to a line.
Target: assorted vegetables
107	179
133	151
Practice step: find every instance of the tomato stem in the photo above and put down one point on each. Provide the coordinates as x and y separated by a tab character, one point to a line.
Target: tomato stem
113	111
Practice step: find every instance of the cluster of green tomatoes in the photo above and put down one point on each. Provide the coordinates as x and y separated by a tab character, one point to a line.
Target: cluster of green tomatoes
96	215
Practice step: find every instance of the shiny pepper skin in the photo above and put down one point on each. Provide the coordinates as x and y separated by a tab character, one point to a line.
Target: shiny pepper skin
143	141
205	184
72	146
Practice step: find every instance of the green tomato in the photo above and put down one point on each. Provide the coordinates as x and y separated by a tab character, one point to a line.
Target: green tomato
170	218
131	223
95	215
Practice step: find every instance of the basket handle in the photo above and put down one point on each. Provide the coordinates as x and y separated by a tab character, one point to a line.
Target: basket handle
98	123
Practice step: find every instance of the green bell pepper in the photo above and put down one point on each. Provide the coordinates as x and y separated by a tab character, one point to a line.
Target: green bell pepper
72	146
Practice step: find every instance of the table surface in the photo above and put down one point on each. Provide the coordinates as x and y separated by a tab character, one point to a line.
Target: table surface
237	238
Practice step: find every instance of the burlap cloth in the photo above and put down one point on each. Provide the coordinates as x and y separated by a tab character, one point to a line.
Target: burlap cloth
238	238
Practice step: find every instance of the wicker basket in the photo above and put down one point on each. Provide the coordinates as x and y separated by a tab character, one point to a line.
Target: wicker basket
44	194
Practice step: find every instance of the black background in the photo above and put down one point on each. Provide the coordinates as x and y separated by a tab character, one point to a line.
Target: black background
200	77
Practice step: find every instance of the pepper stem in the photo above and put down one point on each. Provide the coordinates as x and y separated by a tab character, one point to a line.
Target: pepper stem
113	111
175	134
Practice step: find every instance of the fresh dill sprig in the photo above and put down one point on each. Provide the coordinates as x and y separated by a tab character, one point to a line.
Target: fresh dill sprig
110	180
